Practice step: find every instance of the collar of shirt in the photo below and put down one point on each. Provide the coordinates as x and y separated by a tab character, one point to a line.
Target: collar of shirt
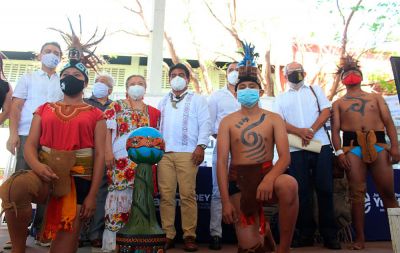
305	85
42	73
225	89
181	97
94	99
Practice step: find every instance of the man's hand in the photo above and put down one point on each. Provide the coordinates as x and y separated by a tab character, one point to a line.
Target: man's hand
88	207
198	155
306	134
13	143
110	159
45	172
229	215
265	189
344	162
394	155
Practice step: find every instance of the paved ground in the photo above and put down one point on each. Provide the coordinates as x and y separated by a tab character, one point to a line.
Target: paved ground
372	247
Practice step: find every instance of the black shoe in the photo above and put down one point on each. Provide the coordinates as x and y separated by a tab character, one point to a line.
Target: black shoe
305	242
169	244
215	243
332	244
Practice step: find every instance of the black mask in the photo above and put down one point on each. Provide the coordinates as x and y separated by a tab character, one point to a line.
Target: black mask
296	76
71	85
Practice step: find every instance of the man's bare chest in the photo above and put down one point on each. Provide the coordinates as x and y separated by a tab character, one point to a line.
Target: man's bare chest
358	106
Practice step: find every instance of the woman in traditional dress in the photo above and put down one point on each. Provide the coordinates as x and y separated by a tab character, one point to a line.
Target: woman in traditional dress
123	116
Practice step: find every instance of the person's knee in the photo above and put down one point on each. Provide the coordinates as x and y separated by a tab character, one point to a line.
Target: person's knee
187	194
20	190
388	195
357	192
286	187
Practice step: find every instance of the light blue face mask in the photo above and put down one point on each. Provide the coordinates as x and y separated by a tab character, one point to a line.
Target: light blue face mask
248	97
100	90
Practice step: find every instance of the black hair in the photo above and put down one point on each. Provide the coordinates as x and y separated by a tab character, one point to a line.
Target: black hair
1	68
229	64
348	63
53	43
248	79
179	66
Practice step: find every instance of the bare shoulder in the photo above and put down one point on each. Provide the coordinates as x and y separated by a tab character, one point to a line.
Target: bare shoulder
376	96
228	119
273	116
337	102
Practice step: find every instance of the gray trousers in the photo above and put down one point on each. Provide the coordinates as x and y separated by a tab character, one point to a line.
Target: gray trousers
216	205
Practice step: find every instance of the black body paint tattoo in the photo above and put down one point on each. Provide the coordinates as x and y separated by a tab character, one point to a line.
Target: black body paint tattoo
241	122
357	107
254	141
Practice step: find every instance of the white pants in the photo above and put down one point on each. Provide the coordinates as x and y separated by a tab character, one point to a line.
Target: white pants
216	206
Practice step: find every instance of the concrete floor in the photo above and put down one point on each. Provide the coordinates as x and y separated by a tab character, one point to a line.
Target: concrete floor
371	247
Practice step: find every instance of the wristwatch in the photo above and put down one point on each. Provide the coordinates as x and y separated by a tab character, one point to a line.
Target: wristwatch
203	146
339	152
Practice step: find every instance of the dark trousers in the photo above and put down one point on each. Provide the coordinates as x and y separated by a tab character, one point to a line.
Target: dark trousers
95	228
314	171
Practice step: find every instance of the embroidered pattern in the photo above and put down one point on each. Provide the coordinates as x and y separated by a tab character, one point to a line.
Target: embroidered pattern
141	141
67	112
185	123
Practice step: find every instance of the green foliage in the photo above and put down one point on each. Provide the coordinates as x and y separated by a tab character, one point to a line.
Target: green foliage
383	80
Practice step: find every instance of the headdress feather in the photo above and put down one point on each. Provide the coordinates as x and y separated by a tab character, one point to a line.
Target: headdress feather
346	64
248	70
249	56
79	51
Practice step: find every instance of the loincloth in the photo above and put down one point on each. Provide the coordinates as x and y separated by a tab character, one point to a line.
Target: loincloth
365	145
66	164
25	187
245	179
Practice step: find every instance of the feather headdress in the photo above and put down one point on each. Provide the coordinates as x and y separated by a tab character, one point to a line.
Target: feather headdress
248	70
79	51
346	64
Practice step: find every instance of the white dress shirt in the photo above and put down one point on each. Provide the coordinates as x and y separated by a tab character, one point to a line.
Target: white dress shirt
36	88
221	103
299	108
188	125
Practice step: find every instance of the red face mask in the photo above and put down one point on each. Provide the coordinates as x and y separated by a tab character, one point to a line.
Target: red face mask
352	79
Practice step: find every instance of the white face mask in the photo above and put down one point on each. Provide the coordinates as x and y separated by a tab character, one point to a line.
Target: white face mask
50	60
296	86
136	92
100	90
178	83
233	77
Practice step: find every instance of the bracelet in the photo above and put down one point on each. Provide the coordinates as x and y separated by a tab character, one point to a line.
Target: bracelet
339	152
312	130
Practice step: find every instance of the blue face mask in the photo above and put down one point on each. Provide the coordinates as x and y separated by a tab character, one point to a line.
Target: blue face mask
248	97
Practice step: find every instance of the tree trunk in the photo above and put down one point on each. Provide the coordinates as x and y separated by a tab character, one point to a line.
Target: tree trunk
269	82
335	85
171	49
204	73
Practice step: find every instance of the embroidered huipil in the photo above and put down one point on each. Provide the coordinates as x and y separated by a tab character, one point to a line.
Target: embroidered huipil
65	127
121	120
187	125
